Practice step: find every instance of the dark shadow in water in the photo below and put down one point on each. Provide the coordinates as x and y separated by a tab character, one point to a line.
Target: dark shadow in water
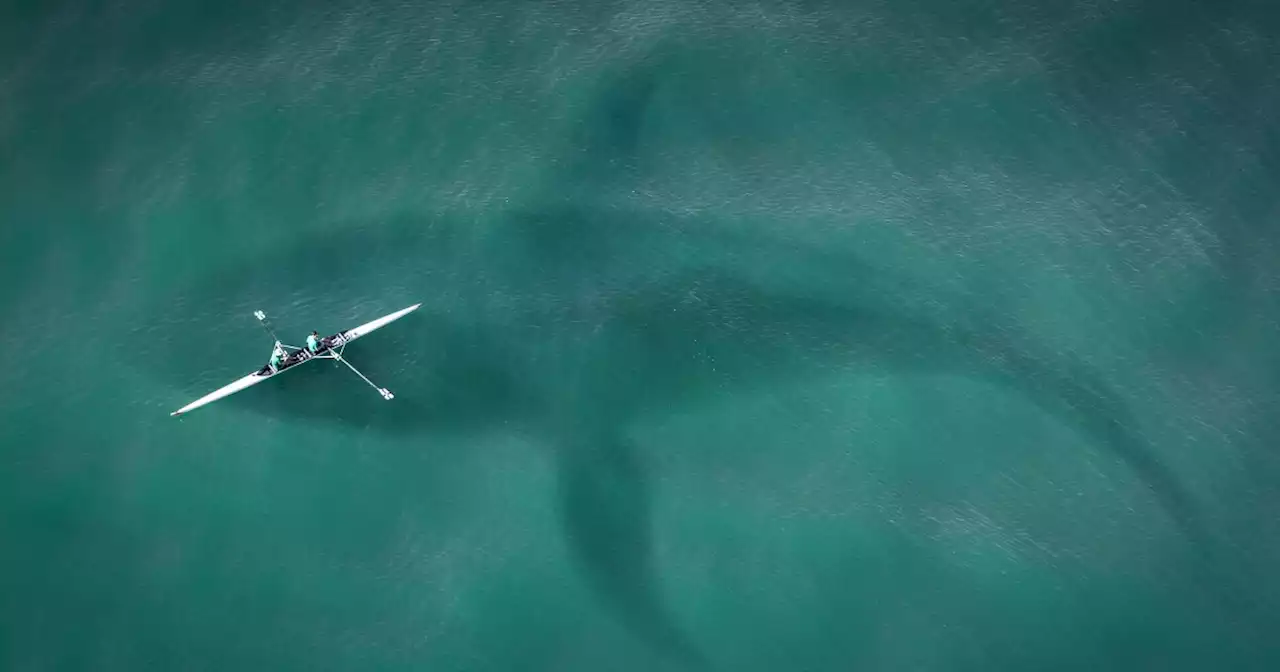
510	317
721	330
609	140
604	507
1209	68
664	341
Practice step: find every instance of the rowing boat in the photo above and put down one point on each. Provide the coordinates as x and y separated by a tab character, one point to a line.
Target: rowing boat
331	347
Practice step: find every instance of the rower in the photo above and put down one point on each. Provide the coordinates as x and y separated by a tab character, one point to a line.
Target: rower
313	342
277	354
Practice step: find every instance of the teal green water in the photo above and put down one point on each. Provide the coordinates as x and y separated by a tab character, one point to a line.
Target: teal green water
776	336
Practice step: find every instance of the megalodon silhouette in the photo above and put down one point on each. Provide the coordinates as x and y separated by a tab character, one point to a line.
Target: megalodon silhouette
554	323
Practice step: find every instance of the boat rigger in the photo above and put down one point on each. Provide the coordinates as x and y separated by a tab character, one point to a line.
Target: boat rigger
289	356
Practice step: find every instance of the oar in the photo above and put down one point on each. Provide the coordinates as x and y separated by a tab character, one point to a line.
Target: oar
266	324
386	394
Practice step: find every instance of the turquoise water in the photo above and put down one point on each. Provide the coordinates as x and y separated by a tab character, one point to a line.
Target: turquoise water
776	336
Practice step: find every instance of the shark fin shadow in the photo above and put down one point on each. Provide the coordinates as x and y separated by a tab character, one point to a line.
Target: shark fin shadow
605	509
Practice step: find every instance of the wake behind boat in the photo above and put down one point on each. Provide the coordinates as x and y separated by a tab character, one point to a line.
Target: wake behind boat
330	347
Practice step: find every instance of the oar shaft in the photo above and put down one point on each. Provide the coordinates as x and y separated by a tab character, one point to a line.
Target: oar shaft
266	324
385	394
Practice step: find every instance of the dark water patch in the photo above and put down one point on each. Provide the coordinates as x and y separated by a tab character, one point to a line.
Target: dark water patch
517	346
570	319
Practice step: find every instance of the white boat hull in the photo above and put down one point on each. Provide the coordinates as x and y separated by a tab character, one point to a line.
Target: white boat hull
246	382
336	341
369	327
